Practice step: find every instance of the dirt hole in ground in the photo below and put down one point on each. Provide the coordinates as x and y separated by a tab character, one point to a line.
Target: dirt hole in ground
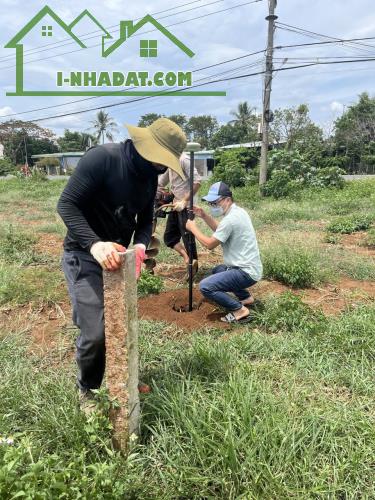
169	306
182	306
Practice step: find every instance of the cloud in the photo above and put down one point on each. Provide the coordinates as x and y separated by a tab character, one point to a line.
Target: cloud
6	110
336	106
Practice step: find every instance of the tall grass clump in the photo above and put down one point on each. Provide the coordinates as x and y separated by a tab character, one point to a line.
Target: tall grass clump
292	265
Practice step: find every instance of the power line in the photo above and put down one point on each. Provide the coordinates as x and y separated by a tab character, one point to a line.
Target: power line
162	92
168	92
130	88
339	40
314	34
318	57
139	34
98	31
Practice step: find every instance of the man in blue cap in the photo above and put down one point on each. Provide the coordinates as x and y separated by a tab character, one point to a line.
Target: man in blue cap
242	266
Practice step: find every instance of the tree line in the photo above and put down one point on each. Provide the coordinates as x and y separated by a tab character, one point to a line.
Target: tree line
350	144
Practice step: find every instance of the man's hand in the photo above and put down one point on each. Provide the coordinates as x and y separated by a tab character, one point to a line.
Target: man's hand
191	225
179	206
106	253
198	211
140	255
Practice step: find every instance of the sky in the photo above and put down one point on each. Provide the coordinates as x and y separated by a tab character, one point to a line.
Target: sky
215	31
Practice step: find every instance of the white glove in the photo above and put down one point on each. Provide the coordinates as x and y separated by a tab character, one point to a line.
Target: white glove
179	206
106	253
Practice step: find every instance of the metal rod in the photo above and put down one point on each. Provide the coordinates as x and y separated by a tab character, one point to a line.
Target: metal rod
191	216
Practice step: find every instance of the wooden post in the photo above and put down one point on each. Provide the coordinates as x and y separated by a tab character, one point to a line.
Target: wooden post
121	334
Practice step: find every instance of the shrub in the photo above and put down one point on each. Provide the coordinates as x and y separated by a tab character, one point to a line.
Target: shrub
280	185
6	167
230	167
149	284
290	265
289	171
329	176
333	239
288	313
348	225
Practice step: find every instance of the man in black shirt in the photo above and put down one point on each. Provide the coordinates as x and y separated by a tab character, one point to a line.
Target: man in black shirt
108	200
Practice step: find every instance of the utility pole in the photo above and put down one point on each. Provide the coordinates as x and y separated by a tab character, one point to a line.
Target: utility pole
267	114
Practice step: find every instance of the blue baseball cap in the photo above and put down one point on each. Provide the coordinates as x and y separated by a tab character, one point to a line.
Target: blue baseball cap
216	191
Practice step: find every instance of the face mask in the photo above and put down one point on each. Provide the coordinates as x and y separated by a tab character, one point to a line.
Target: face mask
217	211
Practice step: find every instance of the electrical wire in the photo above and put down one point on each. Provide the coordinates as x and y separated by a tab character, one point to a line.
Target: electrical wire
168	92
133	87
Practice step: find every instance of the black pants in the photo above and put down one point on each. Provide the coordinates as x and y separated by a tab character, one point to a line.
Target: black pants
84	277
175	230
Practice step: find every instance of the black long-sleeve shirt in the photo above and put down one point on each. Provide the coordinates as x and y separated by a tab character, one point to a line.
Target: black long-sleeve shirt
109	197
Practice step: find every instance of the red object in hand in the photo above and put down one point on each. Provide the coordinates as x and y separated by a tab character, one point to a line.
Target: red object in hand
140	255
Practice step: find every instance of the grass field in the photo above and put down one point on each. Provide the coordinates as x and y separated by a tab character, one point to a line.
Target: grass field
282	408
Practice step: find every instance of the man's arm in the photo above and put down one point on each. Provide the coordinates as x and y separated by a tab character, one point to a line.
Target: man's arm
143	228
209	220
208	241
163	179
81	188
196	187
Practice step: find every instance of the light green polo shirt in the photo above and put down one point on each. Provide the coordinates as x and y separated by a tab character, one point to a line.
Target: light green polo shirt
238	240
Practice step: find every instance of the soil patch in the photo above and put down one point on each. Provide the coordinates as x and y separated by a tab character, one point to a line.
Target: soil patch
50	244
331	299
353	241
162	308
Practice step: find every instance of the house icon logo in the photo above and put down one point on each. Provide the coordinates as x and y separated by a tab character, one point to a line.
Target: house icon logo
47	26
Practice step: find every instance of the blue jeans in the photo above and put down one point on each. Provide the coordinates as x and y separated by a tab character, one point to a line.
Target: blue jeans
226	279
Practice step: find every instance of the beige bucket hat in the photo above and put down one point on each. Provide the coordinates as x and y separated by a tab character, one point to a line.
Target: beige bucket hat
161	142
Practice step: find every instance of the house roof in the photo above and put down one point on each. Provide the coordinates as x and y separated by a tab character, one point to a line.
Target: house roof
134	28
88	14
29	26
58	155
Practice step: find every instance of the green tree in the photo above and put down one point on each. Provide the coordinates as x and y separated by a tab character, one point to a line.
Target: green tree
75	141
201	129
246	120
295	127
6	167
104	126
355	131
227	134
19	137
147	119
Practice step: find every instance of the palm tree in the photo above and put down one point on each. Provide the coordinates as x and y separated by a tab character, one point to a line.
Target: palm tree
104	126
244	116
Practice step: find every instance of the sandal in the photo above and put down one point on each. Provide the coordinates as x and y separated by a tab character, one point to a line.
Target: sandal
230	318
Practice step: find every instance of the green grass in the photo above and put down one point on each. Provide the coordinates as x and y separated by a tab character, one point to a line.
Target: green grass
292	264
34	285
53	228
17	247
350	224
281	411
369	240
281	408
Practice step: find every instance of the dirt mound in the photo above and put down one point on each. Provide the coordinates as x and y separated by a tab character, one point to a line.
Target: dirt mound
165	307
